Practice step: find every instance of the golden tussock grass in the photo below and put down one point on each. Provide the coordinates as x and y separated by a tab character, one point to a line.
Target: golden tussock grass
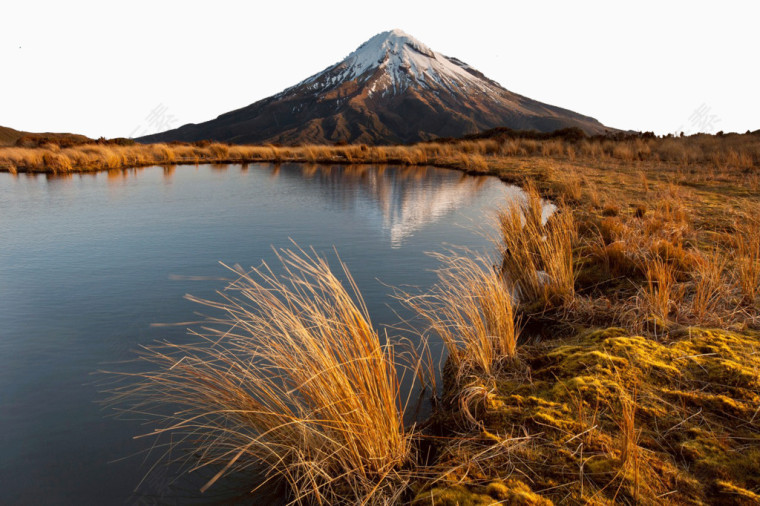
747	255
709	286
629	437
538	255
570	187
291	380
471	309
473	162
660	294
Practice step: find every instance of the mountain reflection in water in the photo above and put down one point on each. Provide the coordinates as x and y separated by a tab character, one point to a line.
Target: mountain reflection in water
404	199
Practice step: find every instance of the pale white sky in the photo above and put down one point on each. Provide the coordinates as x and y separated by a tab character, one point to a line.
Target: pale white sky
130	68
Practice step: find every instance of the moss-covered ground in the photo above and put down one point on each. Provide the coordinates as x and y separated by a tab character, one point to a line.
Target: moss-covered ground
605	417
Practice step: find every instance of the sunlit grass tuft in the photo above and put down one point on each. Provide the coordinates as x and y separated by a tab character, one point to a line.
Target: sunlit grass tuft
709	287
660	293
471	309
747	257
290	380
538	253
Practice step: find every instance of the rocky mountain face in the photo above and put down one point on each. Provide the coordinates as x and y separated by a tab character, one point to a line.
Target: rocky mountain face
392	89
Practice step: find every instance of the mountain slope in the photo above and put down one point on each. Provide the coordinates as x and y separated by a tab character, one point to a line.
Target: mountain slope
392	89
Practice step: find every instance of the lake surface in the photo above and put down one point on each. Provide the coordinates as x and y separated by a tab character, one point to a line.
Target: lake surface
88	262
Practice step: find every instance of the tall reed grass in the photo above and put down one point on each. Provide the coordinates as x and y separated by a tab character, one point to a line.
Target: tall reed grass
289	379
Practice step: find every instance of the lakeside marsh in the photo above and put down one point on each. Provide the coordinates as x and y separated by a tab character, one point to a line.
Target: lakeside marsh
635	377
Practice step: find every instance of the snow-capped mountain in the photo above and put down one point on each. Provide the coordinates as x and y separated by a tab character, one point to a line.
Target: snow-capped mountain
392	89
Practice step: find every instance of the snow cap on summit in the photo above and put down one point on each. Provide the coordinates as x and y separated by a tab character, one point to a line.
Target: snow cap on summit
403	61
394	40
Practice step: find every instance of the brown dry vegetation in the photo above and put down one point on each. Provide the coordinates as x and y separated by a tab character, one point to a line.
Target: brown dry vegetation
713	155
52	158
472	310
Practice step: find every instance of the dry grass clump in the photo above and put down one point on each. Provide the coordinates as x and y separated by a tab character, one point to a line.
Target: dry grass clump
591	149
629	436
570	186
538	255
19	158
709	286
511	147
615	258
472	310
473	162
660	294
311	154
56	162
290	380
219	150
747	255
413	156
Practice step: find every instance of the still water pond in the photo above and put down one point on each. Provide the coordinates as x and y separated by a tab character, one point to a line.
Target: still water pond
89	262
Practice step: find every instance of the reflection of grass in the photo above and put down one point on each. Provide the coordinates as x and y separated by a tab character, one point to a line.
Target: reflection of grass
290	379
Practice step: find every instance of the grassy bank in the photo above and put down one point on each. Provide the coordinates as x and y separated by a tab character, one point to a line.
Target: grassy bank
717	154
636	379
607	354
